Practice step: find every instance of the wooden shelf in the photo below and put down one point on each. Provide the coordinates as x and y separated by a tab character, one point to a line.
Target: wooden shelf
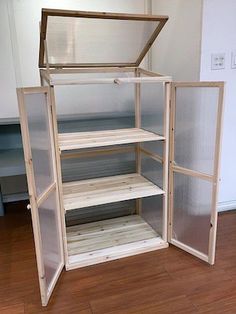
85	193
78	140
110	239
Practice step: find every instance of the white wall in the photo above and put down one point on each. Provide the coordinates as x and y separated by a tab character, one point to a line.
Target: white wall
177	50
197	29
218	36
8	102
24	23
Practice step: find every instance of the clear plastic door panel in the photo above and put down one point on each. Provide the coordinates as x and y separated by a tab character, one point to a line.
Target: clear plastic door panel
192	211
196	118
36	109
195	128
38	142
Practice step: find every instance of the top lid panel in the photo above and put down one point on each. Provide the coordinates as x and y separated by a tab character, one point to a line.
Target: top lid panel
93	39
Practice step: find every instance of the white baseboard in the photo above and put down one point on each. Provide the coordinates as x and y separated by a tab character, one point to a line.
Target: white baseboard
224	206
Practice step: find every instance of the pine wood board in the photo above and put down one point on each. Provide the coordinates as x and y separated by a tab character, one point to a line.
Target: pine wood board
92	192
79	140
110	239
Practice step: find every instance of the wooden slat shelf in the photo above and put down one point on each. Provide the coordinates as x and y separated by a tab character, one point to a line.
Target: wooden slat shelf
78	140
110	239
85	193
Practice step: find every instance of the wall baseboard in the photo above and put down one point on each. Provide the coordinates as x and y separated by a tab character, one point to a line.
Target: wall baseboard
224	206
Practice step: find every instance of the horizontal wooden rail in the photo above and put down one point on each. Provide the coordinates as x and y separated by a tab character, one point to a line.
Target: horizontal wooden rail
105	151
152	155
46	193
111	80
149	79
193	173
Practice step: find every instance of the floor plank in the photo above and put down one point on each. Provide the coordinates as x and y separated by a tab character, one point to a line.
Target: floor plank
165	281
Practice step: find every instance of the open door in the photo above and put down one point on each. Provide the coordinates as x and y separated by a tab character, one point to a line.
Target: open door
195	136
37	135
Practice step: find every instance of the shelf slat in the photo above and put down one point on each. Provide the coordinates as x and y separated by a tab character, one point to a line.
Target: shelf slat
110	239
78	140
92	192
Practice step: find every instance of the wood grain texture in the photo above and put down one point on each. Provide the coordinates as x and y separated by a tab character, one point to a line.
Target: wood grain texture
110	239
92	192
78	140
165	281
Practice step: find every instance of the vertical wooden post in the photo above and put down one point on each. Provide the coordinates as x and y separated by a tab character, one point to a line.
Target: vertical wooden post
46	57
214	212
59	173
138	125
171	159
167	91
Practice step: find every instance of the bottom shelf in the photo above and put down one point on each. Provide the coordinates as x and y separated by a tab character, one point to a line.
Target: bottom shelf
110	239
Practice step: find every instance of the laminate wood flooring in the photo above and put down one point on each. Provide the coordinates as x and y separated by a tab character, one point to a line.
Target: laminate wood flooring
164	281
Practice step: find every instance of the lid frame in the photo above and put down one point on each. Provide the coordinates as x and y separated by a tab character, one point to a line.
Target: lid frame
162	19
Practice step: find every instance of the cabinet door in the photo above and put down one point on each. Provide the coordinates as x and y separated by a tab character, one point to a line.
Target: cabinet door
38	143
195	136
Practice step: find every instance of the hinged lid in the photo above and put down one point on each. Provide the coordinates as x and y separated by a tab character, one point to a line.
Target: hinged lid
93	39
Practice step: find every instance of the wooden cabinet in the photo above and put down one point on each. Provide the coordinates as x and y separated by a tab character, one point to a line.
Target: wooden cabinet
134	188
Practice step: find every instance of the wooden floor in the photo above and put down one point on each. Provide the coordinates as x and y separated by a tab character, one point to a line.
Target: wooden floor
165	281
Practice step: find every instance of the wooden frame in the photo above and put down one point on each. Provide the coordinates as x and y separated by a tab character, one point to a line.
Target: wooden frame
148	77
35	200
138	125
59	173
116	194
121	236
214	179
133	80
98	15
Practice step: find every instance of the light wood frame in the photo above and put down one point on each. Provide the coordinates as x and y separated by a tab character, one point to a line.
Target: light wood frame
46	75
162	19
140	76
167	160
35	200
168	147
214	179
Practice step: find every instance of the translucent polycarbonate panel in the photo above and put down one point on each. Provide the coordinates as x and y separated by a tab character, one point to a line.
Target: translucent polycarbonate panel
98	166
40	142
95	122
152	107
152	212
73	40
155	147
100	212
195	127
51	251
95	101
192	205
152	170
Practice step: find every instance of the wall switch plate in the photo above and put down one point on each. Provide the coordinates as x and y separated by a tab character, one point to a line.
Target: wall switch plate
233	59
218	61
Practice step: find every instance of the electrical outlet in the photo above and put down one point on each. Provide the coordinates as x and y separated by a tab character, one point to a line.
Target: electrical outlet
233	59
218	61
